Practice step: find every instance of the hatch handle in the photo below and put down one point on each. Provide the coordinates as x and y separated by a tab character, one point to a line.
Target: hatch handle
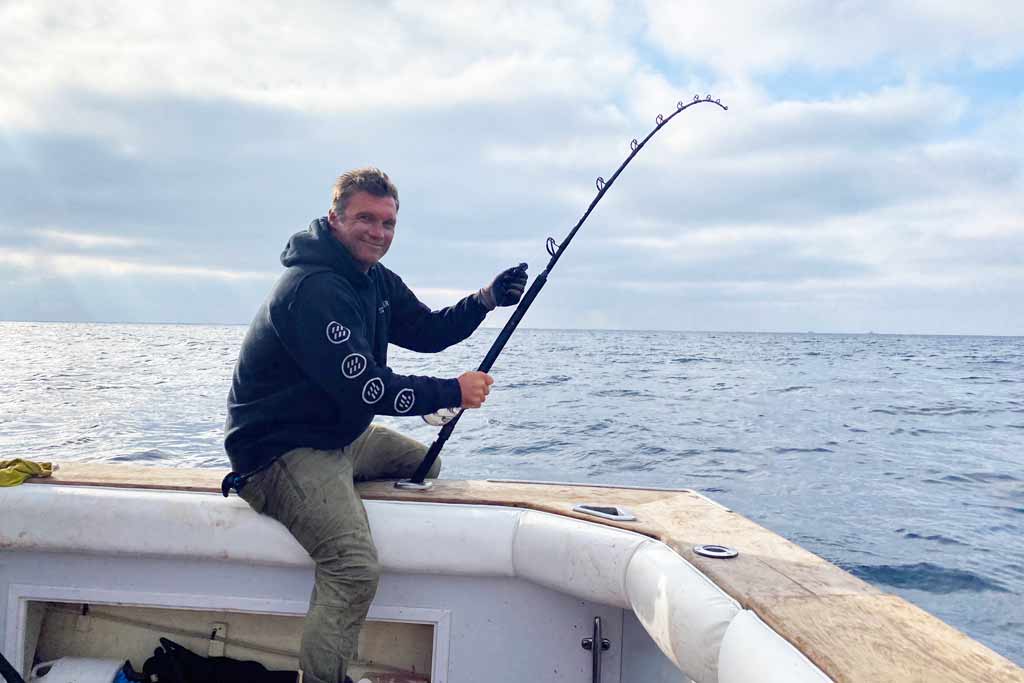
603	645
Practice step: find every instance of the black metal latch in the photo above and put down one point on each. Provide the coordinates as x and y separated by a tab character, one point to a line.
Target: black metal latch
595	652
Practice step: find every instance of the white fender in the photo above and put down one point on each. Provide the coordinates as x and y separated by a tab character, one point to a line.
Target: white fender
682	610
579	558
443	538
112	521
752	651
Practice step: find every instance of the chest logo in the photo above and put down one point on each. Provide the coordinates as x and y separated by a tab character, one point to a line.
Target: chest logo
383	306
373	390
353	365
337	333
404	401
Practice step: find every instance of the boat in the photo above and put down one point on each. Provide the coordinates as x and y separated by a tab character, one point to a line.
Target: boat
483	581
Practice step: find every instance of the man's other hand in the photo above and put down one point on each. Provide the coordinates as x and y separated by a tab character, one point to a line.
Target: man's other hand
475	386
507	288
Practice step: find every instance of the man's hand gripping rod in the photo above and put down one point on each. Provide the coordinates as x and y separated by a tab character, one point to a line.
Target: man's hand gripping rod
555	250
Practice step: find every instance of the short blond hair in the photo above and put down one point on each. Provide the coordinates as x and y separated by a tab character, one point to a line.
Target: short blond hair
369	179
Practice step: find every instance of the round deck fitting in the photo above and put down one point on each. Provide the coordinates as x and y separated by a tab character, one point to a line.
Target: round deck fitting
411	485
718	552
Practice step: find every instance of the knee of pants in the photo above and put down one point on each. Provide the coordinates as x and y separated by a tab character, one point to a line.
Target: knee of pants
347	576
435	469
346	589
363	586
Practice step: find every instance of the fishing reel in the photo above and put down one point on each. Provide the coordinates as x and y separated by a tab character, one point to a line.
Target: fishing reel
442	417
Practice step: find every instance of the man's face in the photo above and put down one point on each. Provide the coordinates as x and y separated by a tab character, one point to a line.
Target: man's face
367	227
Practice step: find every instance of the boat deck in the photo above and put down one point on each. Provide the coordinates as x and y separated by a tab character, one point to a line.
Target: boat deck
851	630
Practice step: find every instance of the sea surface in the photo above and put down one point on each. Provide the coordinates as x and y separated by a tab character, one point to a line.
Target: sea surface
899	458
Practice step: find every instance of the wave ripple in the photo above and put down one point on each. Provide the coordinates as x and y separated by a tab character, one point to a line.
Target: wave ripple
925	576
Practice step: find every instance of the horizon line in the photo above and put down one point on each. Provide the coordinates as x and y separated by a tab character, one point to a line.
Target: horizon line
553	329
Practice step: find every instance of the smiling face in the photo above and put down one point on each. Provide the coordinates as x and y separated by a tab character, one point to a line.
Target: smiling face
367	227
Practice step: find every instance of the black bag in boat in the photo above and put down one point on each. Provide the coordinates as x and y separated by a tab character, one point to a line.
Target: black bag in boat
173	663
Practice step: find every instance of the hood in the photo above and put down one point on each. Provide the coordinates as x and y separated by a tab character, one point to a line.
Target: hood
316	246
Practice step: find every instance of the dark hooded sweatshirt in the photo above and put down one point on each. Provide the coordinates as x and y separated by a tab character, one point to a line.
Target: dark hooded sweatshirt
312	371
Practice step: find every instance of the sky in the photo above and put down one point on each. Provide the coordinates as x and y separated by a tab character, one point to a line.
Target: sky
867	176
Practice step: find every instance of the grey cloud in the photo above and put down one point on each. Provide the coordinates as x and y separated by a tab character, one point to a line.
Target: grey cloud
222	185
36	298
746	38
765	261
962	253
116	299
885	120
217	184
987	308
787	187
189	174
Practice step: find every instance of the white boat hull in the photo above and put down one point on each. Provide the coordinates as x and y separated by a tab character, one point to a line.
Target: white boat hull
509	593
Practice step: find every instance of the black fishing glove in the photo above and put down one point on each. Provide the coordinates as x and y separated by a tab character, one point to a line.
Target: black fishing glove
507	288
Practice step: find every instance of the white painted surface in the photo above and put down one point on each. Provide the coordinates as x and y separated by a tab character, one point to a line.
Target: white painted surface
642	660
204	536
752	651
684	612
429	538
488	628
112	521
583	559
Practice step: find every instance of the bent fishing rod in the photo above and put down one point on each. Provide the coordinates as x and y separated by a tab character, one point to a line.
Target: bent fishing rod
450	418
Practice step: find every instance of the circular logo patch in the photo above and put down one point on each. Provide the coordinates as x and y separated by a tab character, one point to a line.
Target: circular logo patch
404	400
353	365
373	390
337	333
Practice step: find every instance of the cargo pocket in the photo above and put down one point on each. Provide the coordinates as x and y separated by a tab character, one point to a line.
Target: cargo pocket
252	492
290	478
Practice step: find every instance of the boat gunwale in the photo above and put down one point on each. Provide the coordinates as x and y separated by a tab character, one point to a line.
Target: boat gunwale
808	601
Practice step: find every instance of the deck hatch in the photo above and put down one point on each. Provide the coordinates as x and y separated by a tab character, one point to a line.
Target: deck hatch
619	514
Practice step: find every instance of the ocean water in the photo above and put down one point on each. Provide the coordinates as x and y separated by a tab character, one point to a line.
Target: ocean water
899	458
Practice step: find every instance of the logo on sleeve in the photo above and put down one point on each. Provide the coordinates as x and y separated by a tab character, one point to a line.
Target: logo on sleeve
337	333
404	400
353	365
373	390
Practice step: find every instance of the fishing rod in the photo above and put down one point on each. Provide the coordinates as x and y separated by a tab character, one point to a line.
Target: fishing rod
450	417
8	672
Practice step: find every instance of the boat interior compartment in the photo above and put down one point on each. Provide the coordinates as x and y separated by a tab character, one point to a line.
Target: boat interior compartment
387	649
438	628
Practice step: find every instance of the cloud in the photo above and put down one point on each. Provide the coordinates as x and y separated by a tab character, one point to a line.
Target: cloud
740	38
324	59
88	241
852	147
179	144
74	265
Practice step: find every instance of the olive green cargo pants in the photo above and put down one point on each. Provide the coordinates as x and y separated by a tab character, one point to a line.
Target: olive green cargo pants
312	493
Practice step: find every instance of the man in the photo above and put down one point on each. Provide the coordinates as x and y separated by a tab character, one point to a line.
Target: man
312	373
